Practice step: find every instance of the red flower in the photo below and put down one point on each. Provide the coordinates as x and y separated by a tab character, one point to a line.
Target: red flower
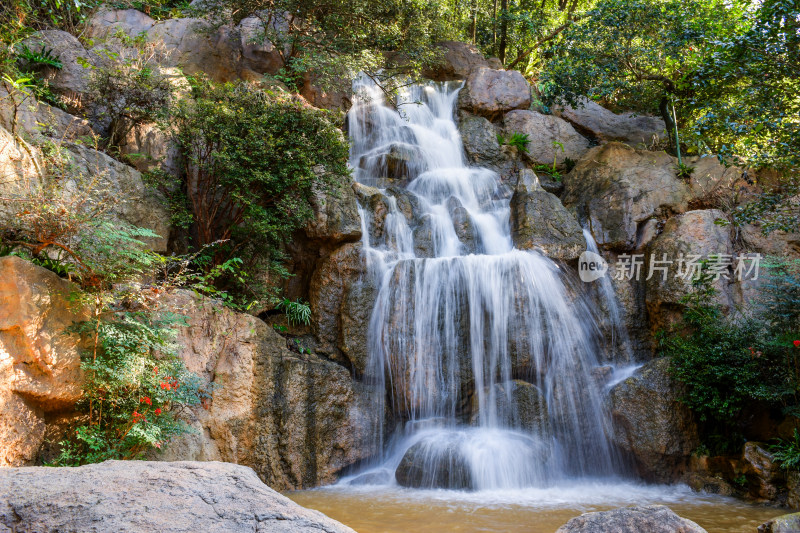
155	370
797	344
147	400
158	410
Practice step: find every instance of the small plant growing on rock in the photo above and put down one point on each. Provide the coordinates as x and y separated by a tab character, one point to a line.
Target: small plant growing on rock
684	171
518	140
297	312
787	452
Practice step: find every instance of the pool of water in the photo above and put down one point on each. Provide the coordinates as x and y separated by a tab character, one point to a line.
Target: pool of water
370	509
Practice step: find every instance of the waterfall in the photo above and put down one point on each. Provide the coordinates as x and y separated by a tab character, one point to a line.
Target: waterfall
485	352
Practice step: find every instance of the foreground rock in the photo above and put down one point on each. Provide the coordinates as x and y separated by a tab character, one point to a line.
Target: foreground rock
788	523
651	424
645	519
39	362
551	138
136	496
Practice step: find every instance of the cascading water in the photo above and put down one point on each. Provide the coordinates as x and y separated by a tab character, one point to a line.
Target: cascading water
484	352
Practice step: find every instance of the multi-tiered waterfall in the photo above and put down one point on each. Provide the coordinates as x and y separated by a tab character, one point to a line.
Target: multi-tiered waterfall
485	353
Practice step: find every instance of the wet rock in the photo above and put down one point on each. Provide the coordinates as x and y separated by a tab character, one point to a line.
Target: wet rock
765	475
547	135
39	359
540	221
434	463
423	238
692	234
788	523
708	483
651	424
150	496
491	92
458	61
614	188
597	121
793	490
463	226
519	404
381	477
649	519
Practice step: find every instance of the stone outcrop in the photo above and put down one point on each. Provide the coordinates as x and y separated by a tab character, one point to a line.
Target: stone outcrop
336	217
540	221
434	463
20	164
651	424
491	92
519	405
481	145
649	519
224	54
458	61
297	420
614	188
135	496
34	119
596	121
39	358
690	235
551	138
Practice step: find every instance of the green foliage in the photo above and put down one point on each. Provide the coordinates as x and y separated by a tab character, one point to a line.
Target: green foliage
253	160
297	312
331	42
787	452
130	87
43	58
728	363
518	140
683	171
157	9
134	384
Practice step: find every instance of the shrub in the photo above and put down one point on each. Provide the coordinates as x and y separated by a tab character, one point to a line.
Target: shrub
252	160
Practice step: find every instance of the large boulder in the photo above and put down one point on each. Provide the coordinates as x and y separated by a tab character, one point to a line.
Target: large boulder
491	92
651	424
72	79
615	188
788	523
596	121
481	146
336	216
551	138
458	61
134	496
540	221
694	234
298	420
644	519
39	357
34	119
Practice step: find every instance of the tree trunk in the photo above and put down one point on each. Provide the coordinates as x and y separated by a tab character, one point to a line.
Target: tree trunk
663	107
474	24
503	31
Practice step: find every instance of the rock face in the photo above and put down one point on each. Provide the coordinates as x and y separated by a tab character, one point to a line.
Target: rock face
297	420
481	145
651	424
551	138
19	166
694	233
644	519
788	523
458	61
615	188
37	119
519	405
143	206
597	121
491	92
540	221
335	214
134	496
39	360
